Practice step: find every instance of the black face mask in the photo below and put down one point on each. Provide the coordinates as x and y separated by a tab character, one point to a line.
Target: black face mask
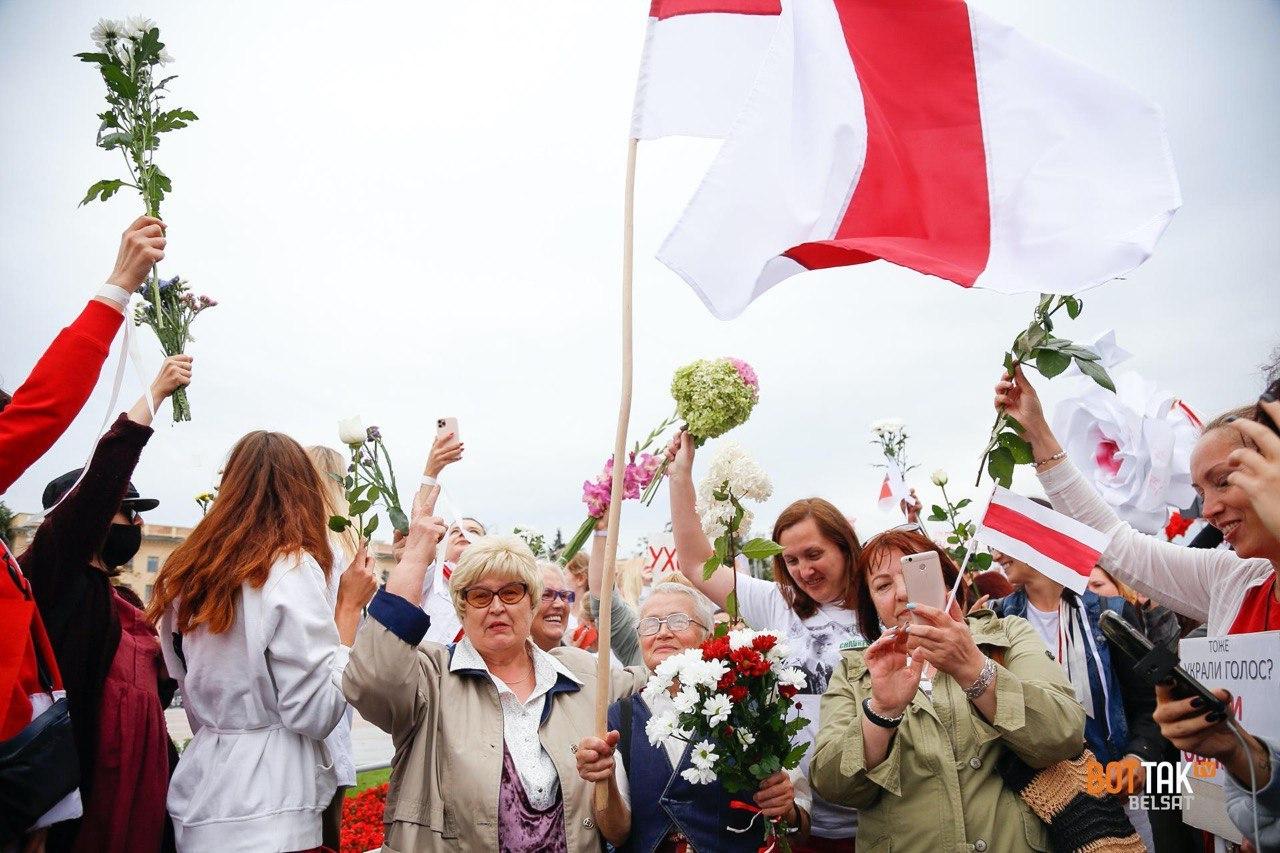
123	541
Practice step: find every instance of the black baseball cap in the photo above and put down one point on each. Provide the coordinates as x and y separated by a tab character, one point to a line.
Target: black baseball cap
60	486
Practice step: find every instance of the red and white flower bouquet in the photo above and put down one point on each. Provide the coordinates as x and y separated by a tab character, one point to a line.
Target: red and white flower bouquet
735	704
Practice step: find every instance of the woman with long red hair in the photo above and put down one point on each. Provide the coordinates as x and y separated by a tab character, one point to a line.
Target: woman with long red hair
249	631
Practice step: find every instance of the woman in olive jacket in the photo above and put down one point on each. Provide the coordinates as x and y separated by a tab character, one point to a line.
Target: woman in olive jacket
917	756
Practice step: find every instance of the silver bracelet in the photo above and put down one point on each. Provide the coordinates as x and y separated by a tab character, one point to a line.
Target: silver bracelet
985	677
1040	463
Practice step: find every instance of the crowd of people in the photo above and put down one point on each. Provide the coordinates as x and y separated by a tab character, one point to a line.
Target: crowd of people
955	728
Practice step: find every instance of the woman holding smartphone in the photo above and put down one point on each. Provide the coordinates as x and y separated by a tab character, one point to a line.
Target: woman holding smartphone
1234	592
918	758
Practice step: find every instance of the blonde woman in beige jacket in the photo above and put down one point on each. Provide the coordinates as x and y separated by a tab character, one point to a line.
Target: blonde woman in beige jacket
484	729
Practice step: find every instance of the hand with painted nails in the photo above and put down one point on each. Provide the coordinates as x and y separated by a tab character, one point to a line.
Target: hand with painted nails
1256	466
1189	726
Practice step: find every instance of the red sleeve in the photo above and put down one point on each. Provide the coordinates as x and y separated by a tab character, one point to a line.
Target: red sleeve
56	390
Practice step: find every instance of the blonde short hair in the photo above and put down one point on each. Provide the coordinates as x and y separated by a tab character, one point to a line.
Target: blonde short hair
555	568
505	557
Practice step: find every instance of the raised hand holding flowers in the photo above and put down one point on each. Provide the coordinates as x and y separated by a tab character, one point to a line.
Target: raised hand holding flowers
370	480
597	493
732	477
129	56
712	397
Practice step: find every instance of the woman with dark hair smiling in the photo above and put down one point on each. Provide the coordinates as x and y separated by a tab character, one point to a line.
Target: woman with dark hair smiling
811	602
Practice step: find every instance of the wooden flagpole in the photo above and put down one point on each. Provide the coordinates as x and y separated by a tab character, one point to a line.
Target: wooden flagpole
604	622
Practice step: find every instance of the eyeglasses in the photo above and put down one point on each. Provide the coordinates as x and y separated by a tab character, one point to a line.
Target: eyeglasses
480	598
568	596
650	625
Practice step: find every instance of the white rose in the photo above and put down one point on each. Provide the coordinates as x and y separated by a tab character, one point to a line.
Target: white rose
351	431
939	478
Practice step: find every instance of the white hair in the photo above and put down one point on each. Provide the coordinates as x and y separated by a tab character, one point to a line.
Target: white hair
703	609
554	568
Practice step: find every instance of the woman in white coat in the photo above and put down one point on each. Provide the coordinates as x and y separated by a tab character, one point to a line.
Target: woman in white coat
248	629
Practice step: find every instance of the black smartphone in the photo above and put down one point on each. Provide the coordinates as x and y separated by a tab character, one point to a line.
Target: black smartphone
1260	414
1156	664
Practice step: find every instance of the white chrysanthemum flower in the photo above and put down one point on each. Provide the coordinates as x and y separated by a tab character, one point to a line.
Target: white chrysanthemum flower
792	677
686	700
716	709
659	728
654	688
894	424
699	776
704	755
138	26
780	652
165	57
105	32
741	638
745	737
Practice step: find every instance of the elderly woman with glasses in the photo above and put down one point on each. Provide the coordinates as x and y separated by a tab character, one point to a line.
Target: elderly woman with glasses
484	729
552	615
652	806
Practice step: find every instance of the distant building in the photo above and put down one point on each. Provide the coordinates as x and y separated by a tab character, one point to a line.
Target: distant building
158	542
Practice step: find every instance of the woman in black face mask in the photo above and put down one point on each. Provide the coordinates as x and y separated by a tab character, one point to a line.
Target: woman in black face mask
107	652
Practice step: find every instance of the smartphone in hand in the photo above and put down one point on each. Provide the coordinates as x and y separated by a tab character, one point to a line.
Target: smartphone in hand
444	426
922	574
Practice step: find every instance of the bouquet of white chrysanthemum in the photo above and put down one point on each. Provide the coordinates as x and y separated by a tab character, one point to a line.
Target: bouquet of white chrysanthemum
734	701
712	397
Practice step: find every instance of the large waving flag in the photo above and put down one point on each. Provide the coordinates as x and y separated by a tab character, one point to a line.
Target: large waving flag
700	59
1053	544
926	134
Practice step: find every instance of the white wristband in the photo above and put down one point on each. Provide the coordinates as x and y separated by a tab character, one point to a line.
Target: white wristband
602	533
113	293
428	480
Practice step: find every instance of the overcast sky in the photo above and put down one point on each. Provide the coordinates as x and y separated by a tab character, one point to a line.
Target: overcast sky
411	210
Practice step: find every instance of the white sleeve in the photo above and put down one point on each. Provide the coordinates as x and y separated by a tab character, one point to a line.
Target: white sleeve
761	604
1177	577
303	652
624	784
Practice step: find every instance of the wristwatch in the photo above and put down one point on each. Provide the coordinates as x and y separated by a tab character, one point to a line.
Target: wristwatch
882	722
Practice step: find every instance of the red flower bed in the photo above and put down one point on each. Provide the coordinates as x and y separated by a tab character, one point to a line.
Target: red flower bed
362	820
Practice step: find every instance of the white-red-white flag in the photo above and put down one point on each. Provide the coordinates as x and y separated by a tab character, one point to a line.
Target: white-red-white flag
926	134
893	491
1053	544
700	59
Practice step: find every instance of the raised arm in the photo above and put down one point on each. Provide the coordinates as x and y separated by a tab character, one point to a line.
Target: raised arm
1177	577
692	545
48	401
174	373
623	639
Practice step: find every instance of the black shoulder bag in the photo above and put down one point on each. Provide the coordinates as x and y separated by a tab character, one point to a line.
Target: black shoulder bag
39	765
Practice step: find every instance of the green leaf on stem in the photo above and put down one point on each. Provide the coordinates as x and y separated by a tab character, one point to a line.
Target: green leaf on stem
792	761
359	507
721	630
101	190
1000	466
710	566
1081	352
1097	373
338	524
1074	306
398	519
370	527
1019	448
118	81
373	494
100	58
1012	422
722	547
112	141
1008	363
981	561
939	514
761	549
964	502
1050	362
731	605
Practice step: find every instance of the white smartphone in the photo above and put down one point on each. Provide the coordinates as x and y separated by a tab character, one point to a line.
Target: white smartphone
922	574
444	426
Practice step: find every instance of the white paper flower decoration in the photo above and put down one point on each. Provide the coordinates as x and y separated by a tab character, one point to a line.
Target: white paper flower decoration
1133	446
